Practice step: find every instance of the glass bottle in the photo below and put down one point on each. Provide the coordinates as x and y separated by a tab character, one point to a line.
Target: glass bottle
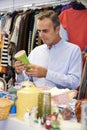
44	105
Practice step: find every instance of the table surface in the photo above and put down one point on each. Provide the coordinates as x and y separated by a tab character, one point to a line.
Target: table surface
12	123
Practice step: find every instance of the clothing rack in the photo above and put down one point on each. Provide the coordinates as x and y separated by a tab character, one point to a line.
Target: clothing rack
34	4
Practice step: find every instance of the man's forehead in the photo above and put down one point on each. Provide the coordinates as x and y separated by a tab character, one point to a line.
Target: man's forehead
45	20
44	23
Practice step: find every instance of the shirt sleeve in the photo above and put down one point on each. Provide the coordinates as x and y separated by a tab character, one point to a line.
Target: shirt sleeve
72	79
21	77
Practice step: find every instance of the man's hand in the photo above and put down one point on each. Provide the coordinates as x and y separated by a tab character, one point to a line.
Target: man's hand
19	67
36	71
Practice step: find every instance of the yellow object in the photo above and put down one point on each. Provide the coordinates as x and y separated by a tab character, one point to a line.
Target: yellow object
27	99
71	95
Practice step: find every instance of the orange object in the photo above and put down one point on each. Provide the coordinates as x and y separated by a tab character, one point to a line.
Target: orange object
3	69
5	105
78	109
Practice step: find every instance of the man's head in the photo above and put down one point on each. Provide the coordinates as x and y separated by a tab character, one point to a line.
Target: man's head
48	27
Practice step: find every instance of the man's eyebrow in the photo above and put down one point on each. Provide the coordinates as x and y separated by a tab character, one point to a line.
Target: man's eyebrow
44	30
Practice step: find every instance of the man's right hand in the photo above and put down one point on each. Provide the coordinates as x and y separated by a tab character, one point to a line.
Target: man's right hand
19	67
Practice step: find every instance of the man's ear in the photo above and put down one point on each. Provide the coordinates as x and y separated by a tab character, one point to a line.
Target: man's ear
57	29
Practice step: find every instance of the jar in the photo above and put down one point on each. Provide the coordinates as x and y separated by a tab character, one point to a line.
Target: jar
27	100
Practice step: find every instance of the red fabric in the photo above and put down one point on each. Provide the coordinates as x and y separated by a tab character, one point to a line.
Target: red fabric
75	22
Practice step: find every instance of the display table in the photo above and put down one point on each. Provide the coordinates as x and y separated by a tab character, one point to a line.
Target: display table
12	123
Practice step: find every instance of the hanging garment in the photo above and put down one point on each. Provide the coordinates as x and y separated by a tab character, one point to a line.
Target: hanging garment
75	23
4	55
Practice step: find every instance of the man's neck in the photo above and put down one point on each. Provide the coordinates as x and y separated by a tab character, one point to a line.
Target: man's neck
56	42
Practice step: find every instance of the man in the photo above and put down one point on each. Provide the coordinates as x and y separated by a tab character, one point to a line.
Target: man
56	63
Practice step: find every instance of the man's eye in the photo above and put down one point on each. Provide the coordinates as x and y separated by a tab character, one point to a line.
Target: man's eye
44	31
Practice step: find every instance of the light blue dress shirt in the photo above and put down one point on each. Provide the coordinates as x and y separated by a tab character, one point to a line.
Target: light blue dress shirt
63	62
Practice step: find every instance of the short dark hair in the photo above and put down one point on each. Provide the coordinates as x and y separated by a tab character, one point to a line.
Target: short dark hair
50	14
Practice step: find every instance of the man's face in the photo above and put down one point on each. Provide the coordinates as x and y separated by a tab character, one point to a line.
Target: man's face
47	32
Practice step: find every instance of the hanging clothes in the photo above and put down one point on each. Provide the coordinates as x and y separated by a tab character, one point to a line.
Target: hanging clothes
75	23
